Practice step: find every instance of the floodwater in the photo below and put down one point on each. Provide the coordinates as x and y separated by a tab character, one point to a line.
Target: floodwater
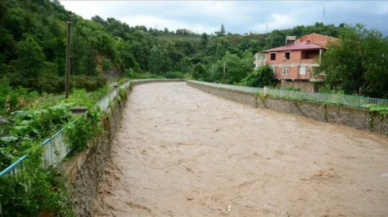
182	152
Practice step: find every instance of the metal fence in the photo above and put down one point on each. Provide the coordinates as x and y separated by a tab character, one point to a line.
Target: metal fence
232	87
56	147
346	100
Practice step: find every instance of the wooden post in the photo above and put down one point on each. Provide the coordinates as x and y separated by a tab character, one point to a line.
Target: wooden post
67	85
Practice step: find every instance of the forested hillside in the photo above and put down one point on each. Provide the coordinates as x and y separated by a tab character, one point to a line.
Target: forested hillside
33	48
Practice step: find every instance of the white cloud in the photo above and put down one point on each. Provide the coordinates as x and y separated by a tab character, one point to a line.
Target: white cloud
276	21
237	16
84	8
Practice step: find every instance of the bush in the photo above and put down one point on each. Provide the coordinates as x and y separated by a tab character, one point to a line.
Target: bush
261	77
145	76
175	75
51	83
128	73
15	98
199	72
89	83
106	64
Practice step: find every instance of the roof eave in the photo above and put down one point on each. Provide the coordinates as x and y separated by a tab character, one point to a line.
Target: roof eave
273	51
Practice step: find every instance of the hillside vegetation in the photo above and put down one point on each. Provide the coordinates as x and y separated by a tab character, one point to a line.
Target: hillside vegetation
33	50
33	47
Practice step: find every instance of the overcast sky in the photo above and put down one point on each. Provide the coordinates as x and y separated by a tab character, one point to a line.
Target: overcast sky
237	16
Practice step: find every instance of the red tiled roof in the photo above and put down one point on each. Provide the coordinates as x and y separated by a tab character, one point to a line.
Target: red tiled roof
298	46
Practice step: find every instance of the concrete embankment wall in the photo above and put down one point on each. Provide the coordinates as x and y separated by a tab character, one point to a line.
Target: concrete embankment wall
147	81
84	171
352	117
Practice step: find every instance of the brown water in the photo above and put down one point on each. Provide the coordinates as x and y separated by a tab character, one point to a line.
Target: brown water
182	152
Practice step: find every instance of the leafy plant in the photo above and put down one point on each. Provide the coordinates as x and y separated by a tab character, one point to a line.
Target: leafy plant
263	76
122	93
174	75
80	131
34	189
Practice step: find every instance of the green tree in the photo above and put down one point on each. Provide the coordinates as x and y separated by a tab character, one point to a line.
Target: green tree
222	45
358	61
262	76
276	39
199	72
222	31
236	68
31	60
204	39
155	61
98	19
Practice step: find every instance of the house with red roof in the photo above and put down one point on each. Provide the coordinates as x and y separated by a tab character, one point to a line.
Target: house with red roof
293	64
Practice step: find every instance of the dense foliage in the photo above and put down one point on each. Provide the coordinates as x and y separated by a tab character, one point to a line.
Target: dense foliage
34	189
358	62
262	76
33	43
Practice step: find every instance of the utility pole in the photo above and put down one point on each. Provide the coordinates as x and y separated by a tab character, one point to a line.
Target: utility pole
67	85
223	77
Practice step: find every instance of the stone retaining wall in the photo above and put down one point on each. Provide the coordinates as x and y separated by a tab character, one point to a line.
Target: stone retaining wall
147	81
84	171
352	117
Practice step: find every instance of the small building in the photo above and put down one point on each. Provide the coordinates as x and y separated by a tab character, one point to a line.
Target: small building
294	63
184	32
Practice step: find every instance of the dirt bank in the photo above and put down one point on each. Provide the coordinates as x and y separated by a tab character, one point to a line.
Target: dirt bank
182	152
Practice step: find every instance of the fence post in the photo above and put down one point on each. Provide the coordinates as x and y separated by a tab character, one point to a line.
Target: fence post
117	89
265	90
80	110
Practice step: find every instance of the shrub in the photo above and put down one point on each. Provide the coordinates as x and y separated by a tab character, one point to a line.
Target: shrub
261	77
15	98
106	64
175	75
89	83
145	76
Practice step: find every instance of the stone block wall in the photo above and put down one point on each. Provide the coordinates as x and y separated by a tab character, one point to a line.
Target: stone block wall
84	171
240	97
352	117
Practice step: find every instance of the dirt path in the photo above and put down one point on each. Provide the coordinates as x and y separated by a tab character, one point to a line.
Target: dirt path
182	152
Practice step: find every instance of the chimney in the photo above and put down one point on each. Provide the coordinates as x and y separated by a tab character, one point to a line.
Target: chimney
290	40
308	42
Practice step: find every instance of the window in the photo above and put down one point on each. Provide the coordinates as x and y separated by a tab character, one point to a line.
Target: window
285	70
287	55
273	56
302	70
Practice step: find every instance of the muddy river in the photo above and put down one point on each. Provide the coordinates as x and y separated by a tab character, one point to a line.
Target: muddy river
182	152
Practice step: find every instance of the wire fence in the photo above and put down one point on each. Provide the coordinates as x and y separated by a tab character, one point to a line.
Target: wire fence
338	99
232	87
56	148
